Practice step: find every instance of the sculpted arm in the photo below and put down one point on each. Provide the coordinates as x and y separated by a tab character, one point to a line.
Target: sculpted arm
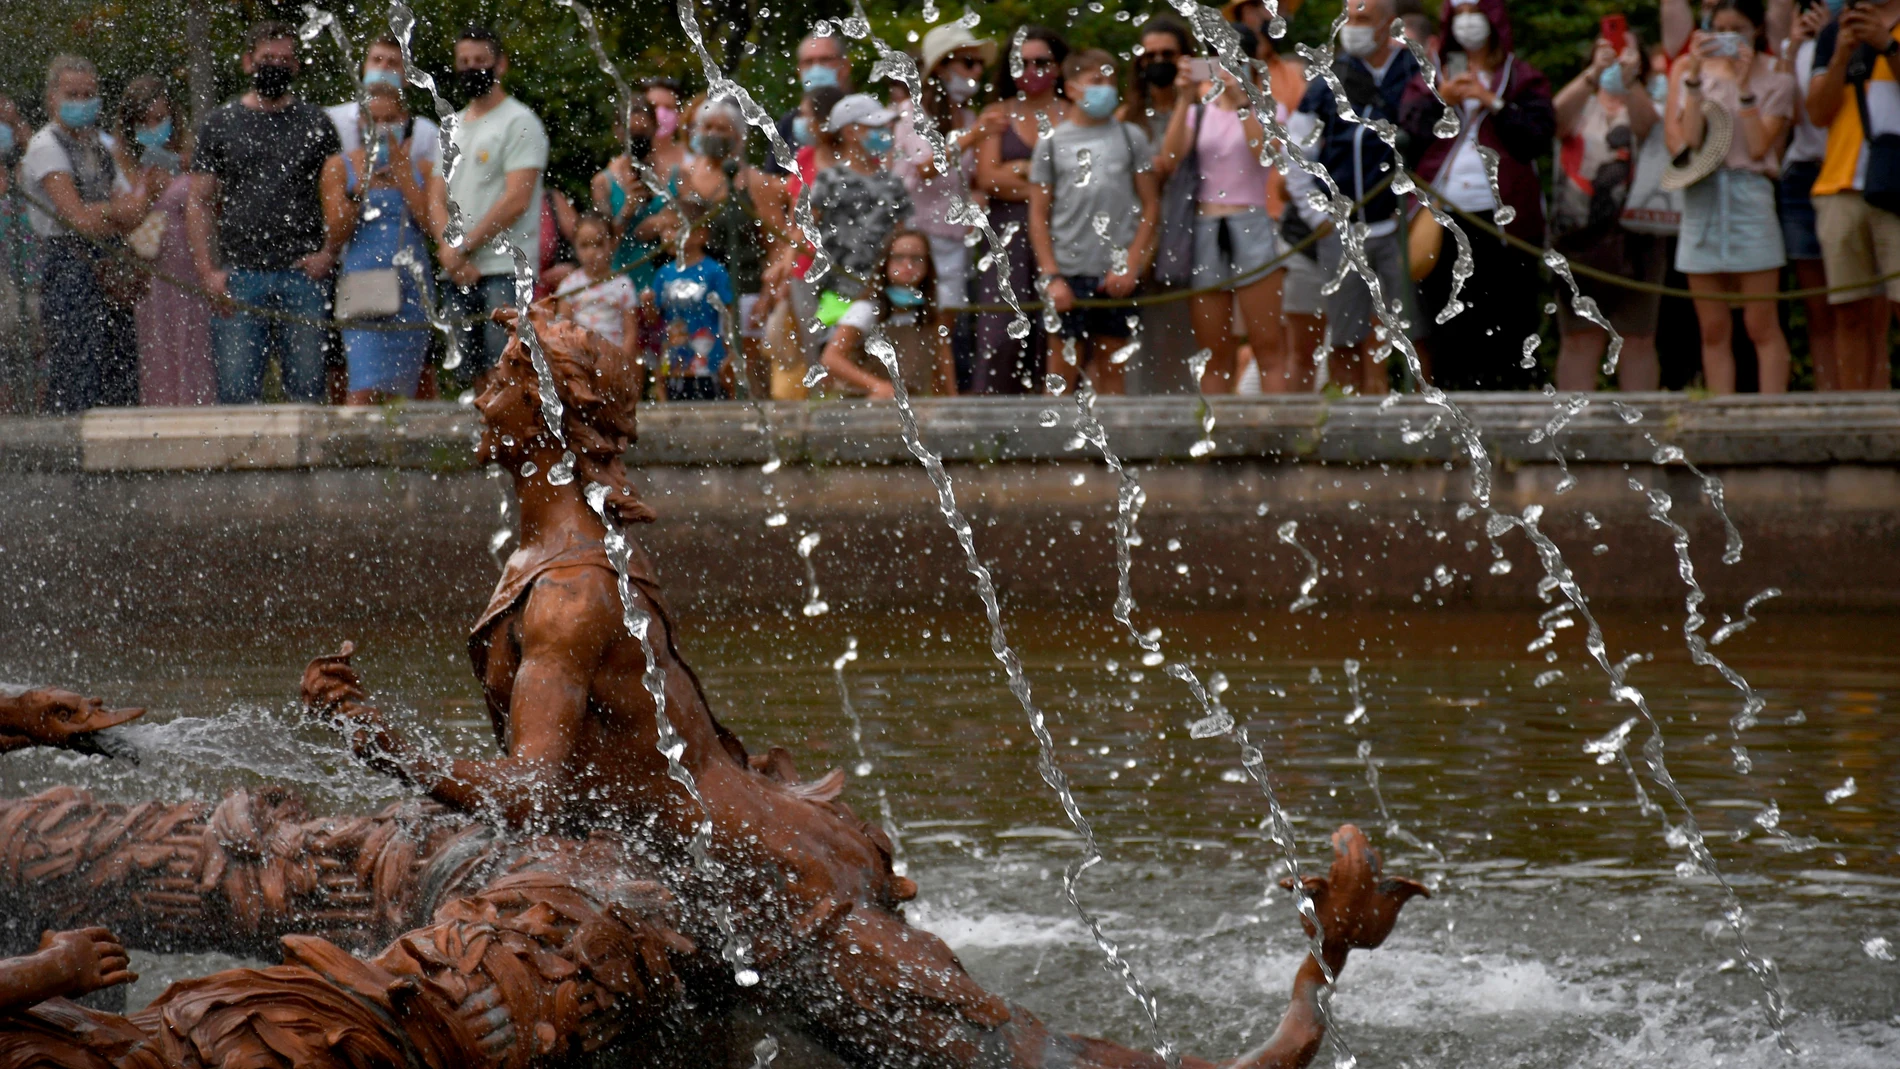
565	628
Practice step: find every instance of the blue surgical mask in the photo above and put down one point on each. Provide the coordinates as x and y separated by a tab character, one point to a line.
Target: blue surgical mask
6	140
1099	101
79	114
1659	87
375	78
156	136
1611	80
801	130
1835	7
878	140
904	296
818	78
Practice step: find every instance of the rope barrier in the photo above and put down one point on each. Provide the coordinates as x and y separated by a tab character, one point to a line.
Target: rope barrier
1612	279
118	251
1235	282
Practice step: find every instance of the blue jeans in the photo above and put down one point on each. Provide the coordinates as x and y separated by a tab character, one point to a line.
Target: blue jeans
482	339
243	342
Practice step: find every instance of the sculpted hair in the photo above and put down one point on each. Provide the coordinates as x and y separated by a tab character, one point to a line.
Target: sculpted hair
599	390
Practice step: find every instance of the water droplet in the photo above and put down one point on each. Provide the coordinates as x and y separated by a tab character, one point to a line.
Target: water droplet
528	468
1845	790
776	519
1049	417
815	375
1878	948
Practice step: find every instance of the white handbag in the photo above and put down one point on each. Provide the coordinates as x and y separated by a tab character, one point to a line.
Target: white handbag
372	294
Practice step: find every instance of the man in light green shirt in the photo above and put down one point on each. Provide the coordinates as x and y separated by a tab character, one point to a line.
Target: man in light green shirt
496	187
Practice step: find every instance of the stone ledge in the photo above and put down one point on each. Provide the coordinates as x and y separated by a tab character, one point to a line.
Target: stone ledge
1795	429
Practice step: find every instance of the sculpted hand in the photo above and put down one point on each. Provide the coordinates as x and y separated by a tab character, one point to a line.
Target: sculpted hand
49	716
1356	902
87	960
330	683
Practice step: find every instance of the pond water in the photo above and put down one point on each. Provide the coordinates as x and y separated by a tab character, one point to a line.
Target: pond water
1559	934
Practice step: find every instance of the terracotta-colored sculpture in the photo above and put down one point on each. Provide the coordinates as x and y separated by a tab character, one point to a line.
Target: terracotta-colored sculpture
586	938
48	716
67	965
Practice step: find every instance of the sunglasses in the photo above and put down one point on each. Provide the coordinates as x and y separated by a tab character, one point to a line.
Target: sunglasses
1039	62
970	63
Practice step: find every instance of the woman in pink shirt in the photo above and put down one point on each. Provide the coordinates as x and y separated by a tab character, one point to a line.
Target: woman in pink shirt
1234	233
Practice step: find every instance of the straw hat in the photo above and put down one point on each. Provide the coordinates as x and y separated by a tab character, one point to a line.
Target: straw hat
949	37
1718	133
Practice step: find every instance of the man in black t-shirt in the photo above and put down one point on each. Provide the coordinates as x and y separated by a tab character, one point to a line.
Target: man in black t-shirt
258	163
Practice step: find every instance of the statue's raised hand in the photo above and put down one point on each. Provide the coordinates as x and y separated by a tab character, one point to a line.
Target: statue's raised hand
331	685
49	716
1356	902
88	959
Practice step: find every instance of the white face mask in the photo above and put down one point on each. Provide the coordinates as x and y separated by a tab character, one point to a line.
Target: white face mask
961	87
1471	30
1359	41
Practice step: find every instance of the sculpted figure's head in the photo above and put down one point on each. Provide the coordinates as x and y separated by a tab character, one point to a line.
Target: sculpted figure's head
598	389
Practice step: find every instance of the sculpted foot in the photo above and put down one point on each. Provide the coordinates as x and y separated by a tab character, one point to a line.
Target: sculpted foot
49	716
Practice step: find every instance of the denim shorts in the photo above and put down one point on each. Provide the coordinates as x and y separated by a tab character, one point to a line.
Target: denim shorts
1226	246
1797	211
1729	226
1094	322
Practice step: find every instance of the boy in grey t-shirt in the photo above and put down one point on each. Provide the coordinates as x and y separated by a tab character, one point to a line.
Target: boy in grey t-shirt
1094	206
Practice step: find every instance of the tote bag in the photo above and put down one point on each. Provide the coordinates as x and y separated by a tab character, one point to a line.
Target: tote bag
1651	209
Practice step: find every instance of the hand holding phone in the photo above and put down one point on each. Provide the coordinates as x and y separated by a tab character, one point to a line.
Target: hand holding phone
1615	30
1201	69
1456	64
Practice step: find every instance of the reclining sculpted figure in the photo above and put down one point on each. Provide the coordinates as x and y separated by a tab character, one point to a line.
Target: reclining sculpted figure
805	886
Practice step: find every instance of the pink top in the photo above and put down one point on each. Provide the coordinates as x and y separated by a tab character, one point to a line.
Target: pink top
932	198
1231	172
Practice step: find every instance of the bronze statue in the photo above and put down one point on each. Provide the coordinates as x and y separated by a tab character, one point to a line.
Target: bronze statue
623	933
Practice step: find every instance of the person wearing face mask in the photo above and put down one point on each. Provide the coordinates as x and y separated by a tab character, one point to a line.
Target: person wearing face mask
174	324
1167	327
71	169
1604	115
1731	240
953	61
901	306
1029	98
857	202
1506	114
622	196
822	65
1800	166
497	186
743	210
1374	72
257	227
19	326
669	132
384	69
1680	19
1094	206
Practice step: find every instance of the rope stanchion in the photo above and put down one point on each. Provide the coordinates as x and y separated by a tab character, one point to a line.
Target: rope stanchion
1613	279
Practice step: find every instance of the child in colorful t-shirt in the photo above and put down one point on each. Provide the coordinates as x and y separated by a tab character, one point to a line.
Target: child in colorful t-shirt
691	291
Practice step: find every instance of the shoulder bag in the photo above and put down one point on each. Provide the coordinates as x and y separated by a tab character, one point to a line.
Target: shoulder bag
1174	253
375	293
1882	187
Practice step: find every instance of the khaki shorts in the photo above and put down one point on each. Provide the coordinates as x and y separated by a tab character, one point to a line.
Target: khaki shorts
1859	243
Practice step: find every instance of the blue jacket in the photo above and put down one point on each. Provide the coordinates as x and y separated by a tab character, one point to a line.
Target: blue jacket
1355	156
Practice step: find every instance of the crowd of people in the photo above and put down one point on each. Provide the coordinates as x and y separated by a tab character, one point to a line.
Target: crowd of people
1138	202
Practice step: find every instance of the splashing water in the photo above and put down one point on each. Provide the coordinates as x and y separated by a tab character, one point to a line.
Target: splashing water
815	605
864	767
880	346
1587	309
1289	533
1736	627
1752	702
1505	214
1356	719
1203	409
639	622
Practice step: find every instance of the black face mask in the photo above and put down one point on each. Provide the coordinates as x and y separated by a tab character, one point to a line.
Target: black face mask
1161	73
475	82
641	145
271	80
